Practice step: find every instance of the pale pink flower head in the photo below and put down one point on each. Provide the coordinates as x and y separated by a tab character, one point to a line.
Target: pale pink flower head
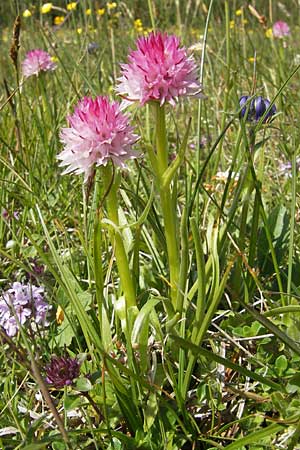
281	29
99	132
158	70
37	61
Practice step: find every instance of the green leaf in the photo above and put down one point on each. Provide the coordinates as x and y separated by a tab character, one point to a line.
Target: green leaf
294	384
83	384
150	411
256	436
65	333
59	445
36	447
199	351
281	364
106	332
271	327
139	335
71	402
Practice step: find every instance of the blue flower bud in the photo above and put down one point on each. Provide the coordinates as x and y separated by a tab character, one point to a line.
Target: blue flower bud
242	101
272	110
256	109
259	107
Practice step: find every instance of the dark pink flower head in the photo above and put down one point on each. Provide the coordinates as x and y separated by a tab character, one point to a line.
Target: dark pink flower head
37	61
98	132
62	371
281	29
158	70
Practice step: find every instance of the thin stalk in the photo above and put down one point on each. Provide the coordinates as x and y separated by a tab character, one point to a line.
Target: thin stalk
292	225
184	258
116	237
228	80
200	306
150	8
168	211
113	52
199	121
98	270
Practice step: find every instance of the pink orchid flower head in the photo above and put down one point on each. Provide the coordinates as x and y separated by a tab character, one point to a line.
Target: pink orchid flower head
37	61
158	70
98	132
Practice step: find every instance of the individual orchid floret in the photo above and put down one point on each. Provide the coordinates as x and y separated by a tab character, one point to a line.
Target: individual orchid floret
158	70
98	132
20	304
37	61
62	371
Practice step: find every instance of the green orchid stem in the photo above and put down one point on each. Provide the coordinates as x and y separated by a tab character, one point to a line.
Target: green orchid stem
167	202
116	237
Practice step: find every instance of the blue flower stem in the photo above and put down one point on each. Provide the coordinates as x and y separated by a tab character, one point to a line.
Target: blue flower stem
116	237
168	206
246	200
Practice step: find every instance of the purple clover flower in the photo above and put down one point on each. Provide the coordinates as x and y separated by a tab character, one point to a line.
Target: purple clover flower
21	303
61	371
257	108
281	29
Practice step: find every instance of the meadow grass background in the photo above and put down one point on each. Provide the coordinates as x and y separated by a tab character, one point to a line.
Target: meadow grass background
231	380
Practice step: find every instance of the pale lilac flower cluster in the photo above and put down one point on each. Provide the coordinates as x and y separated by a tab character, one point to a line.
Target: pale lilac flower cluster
37	61
98	132
20	304
159	70
285	168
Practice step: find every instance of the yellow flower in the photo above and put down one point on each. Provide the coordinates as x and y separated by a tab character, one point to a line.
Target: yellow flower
100	11
238	12
71	6
138	25
59	315
111	5
251	59
54	58
58	20
269	33
27	13
231	24
46	7
88	12
79	30
245	21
